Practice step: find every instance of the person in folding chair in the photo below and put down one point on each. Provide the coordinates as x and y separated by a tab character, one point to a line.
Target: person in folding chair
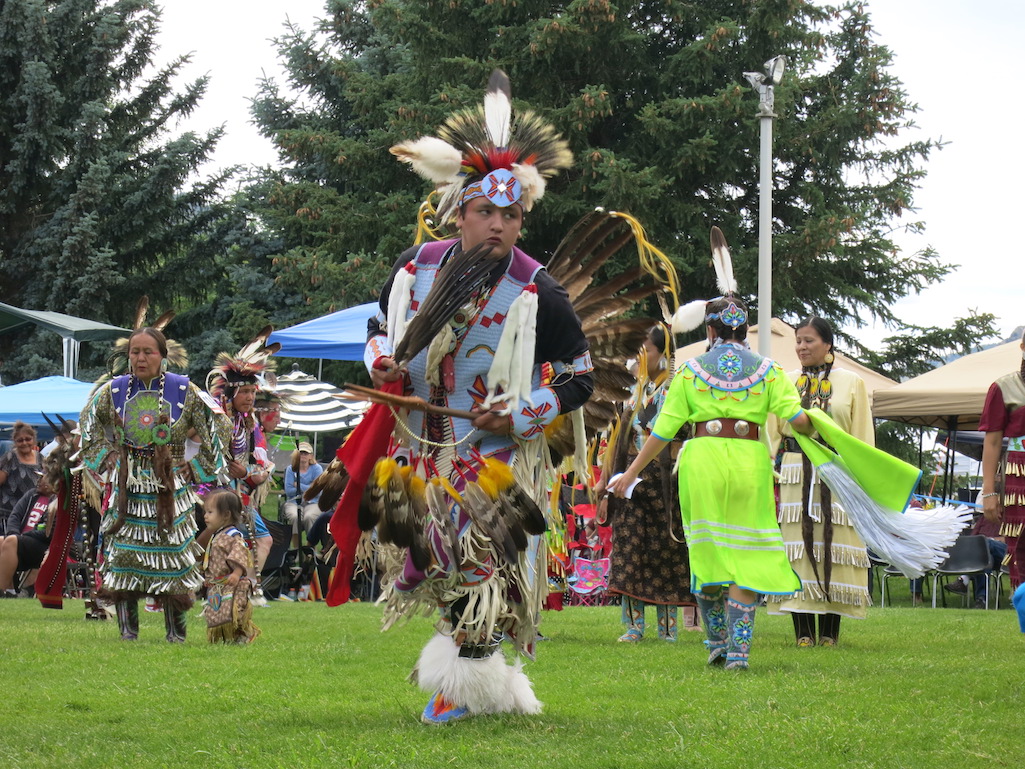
1003	474
28	538
477	346
725	474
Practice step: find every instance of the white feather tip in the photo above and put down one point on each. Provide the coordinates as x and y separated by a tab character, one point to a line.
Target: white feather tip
434	159
689	316
532	182
498	108
723	263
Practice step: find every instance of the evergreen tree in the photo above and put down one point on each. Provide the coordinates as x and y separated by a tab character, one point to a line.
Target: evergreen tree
650	95
96	203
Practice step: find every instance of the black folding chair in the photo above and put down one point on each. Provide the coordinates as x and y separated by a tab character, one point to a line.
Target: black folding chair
968	555
276	575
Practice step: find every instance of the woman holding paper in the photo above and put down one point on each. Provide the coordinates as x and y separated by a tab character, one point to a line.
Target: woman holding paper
649	556
725	474
822	544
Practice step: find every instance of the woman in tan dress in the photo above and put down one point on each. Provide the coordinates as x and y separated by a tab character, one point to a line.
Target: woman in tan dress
823	547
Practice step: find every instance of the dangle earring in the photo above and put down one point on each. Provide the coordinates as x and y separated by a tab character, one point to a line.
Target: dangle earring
163	365
830	358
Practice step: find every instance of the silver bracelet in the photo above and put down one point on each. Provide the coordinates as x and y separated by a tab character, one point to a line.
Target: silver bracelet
991	494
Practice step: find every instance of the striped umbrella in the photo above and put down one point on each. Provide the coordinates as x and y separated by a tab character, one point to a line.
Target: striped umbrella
313	406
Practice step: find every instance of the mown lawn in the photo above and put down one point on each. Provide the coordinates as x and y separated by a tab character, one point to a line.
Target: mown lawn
909	687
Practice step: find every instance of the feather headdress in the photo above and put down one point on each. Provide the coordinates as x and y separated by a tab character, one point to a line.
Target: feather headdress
733	314
177	357
487	152
246	367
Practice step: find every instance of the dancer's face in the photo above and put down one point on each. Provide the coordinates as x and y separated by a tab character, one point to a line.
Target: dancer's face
481	221
654	356
214	518
811	348
244	399
144	356
270	418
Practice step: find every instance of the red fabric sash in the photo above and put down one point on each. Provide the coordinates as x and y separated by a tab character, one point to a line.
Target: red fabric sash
360	452
53	573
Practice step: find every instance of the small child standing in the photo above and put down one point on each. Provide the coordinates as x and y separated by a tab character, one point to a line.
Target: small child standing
229	611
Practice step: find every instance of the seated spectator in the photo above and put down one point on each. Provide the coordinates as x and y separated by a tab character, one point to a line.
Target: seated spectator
19	469
26	548
298	477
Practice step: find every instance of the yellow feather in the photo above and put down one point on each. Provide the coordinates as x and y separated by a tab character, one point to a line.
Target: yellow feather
383	471
499	472
449	489
487	484
416	485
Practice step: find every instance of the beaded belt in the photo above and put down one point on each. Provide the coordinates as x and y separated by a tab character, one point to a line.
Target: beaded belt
726	428
791	445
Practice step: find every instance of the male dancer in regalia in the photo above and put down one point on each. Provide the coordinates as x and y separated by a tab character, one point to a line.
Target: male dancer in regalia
499	339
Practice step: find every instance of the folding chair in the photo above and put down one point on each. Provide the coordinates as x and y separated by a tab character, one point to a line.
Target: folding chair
276	574
888	572
968	555
589	581
997	578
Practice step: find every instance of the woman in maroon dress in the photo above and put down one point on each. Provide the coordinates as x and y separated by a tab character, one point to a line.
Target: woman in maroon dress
1003	477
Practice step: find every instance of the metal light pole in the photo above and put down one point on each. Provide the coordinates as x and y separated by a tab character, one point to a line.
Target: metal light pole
764	84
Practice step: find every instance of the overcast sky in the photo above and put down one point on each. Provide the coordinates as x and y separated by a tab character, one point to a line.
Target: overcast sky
956	59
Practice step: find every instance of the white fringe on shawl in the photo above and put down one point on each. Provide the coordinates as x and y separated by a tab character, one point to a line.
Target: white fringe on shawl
913	542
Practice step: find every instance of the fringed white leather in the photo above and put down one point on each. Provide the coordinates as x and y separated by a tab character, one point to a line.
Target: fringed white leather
439	347
398	303
513	365
580	465
846	555
851	595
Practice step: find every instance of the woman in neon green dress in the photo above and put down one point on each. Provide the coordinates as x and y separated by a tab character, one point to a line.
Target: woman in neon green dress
725	477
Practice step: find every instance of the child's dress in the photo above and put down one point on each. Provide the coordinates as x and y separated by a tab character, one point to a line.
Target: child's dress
228	612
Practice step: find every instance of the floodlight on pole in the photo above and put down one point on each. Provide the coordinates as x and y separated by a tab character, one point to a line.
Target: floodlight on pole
764	83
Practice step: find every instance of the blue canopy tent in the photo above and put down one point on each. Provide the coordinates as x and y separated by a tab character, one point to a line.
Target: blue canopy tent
341	335
52	394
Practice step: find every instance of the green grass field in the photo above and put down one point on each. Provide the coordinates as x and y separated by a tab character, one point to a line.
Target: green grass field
909	687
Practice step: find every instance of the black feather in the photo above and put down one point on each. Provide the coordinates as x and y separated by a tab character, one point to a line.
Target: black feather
457	281
369	514
527	511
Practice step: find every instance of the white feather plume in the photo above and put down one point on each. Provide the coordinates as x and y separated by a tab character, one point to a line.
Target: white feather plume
434	159
498	108
689	316
532	182
722	263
